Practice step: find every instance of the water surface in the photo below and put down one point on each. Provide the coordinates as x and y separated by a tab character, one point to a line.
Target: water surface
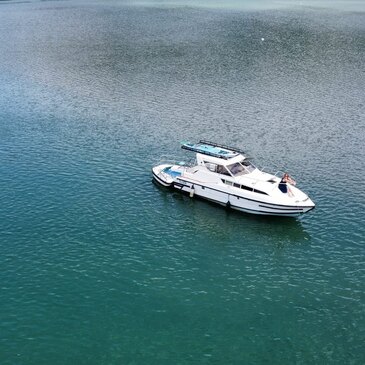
98	264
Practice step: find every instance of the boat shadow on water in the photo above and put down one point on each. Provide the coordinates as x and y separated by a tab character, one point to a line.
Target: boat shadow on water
226	224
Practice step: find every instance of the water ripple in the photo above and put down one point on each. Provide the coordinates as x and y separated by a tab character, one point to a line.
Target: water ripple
98	260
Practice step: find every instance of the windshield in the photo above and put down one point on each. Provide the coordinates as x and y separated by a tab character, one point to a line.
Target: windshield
248	165
241	168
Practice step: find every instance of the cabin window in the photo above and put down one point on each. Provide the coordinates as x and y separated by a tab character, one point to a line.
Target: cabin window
237	169
227	182
222	170
260	192
248	165
253	190
241	168
210	166
246	188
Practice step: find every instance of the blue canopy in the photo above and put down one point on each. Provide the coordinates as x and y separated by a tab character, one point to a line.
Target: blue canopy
212	149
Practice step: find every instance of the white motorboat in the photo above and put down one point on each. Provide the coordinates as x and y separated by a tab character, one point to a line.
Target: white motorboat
226	176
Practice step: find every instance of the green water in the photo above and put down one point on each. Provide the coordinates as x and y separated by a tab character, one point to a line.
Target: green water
98	265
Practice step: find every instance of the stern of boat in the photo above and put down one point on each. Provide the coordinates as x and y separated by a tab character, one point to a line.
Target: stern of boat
161	176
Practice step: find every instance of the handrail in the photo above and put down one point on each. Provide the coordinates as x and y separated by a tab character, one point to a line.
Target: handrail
279	171
254	180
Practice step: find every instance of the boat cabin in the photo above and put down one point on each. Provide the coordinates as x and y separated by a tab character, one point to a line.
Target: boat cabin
221	159
236	166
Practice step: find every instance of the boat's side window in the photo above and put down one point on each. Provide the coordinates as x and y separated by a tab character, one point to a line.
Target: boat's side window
253	190
248	165
246	188
236	169
236	185
210	166
227	182
222	170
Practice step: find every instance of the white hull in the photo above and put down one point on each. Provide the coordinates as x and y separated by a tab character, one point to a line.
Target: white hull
233	197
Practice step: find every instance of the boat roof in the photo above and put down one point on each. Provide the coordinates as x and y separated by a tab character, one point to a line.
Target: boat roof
212	149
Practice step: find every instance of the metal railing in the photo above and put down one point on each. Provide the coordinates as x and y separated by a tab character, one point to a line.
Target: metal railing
234	149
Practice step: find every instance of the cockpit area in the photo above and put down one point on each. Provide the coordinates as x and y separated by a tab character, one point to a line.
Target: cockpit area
235	169
241	168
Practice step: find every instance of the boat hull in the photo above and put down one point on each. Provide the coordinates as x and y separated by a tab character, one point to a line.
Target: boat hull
248	203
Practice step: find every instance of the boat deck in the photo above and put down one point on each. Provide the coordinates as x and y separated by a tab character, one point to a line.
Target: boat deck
172	173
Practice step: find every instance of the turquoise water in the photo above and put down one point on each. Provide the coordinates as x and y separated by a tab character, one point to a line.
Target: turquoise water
98	265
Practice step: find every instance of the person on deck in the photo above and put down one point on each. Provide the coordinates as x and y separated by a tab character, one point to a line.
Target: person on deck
284	188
